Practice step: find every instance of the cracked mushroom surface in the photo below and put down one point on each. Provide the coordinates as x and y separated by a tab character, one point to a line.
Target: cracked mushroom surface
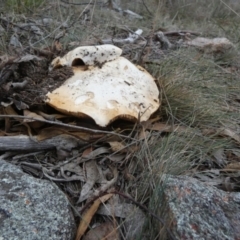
117	89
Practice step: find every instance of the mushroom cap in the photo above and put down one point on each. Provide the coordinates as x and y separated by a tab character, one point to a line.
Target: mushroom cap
88	55
118	89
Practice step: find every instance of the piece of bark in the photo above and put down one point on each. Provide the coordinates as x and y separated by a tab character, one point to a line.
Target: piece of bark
22	143
25	143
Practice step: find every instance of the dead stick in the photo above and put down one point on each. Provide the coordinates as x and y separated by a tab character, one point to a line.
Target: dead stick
182	32
68	126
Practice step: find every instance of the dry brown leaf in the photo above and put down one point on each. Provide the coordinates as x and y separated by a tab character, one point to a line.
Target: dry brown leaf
151	121
95	153
224	132
208	131
162	127
20	105
105	231
116	157
116	146
51	117
50	132
143	134
134	223
128	176
87	216
134	217
92	176
27	58
219	156
87	151
132	148
230	133
228	185
57	46
117	207
33	123
119	147
106	185
76	171
6	59
9	111
232	166
2	133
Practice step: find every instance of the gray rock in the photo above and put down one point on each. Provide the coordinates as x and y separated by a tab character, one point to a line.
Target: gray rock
32	208
194	210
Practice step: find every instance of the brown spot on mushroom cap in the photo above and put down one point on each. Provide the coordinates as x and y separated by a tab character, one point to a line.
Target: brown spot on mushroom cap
103	95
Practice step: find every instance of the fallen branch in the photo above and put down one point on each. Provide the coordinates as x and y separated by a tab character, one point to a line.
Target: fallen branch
26	143
23	143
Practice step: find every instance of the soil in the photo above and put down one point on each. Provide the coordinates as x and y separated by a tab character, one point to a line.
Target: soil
39	82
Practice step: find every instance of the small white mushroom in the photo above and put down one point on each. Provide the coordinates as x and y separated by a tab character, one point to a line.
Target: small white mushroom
117	89
88	55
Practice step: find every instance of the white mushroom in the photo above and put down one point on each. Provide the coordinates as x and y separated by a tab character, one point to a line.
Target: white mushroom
89	55
118	89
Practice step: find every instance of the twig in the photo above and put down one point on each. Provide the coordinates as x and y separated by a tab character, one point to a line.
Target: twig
229	8
140	57
86	3
181	32
73	178
144	4
67	125
19	85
